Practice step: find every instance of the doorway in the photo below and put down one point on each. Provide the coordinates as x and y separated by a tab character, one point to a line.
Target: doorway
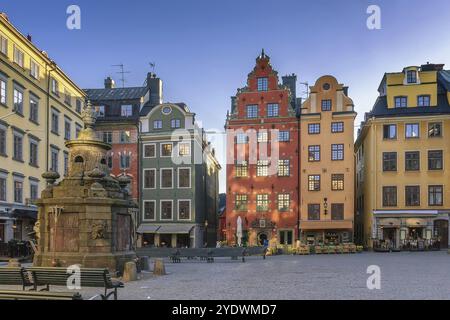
262	237
286	237
441	232
390	235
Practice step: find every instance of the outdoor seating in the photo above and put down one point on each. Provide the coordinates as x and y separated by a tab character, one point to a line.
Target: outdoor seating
38	295
15	276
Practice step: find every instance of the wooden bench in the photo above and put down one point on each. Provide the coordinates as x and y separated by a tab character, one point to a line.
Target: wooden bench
192	253
153	252
256	251
90	277
38	295
15	276
233	253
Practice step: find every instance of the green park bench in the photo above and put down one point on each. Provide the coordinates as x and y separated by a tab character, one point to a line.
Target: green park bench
38	295
90	277
15	276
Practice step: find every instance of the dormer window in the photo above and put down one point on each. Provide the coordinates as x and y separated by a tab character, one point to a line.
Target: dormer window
423	101
263	84
401	102
411	76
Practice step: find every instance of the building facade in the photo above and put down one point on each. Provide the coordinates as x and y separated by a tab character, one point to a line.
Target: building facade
179	188
40	109
402	153
263	159
327	164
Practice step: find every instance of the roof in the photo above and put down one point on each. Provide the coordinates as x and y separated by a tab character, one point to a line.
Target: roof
148	107
444	79
131	93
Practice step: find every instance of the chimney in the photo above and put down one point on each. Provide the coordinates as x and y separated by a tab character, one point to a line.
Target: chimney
291	82
29	37
109	83
155	86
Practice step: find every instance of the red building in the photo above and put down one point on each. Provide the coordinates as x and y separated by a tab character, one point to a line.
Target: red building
263	160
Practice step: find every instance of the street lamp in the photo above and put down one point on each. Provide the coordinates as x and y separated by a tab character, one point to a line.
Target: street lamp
206	233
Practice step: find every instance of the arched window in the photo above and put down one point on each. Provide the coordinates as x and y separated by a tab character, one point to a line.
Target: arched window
79	159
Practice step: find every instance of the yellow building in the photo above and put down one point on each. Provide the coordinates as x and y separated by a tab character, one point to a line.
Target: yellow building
402	153
40	109
327	164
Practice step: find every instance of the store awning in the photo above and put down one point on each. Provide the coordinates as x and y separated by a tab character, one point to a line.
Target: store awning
147	228
24	214
175	229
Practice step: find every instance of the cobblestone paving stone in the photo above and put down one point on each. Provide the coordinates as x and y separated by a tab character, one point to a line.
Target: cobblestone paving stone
403	276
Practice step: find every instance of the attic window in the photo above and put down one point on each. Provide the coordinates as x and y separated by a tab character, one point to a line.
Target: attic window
79	159
411	76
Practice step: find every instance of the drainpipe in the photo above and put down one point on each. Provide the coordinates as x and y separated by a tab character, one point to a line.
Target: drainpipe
47	136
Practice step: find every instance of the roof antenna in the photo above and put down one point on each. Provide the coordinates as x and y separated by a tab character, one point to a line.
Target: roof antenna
153	66
122	72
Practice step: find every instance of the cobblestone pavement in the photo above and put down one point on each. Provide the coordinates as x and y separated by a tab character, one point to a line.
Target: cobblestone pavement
403	276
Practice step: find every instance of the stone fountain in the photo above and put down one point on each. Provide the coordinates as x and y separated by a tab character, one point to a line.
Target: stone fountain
86	218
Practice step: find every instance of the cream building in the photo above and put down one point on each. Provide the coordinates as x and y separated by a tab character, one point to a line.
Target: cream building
40	109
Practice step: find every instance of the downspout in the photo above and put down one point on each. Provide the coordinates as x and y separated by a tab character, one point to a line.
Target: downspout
47	121
298	172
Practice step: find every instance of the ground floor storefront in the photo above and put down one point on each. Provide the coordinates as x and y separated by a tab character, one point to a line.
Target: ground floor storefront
331	232
17	222
410	230
171	235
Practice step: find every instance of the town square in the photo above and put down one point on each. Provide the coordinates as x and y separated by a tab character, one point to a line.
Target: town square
298	156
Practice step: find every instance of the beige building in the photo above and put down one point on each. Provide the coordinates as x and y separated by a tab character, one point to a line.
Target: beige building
40	109
327	164
402	153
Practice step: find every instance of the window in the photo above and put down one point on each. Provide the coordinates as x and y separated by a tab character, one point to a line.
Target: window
252	111
412	130
411	76
157	124
149	178
18	56
78	106
166	149
184	178
412	161
34	194
284	201
55	88
272	110
337	127
175	123
34	69
401	102
314	183
125	136
313	212
55	121
242	169
124	161
337	211
423	101
435	130
18	147
262	168
100	111
412	196
3	45
109	161
54	160
313	153
184	209
107	136
262	136
389	161
18	101
34	153
435	160
241	138
184	149
2	140
78	129
435	195
241	202
2	188
149	210
283	136
389	196
337	152
149	151
166	209
262	84
262	202
126	110
283	168
314	128
390	131
337	182
67	97
18	191
34	109
3	91
67	129
326	105
166	178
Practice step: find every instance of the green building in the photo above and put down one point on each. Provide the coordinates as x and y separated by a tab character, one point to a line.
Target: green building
179	180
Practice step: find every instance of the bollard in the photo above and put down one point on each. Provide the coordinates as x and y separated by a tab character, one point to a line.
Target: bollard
159	269
129	272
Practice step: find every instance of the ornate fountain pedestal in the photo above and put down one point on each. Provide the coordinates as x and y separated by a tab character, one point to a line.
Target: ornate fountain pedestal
87	218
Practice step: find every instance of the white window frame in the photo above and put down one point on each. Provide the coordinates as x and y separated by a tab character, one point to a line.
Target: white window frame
160	149
126	107
160	209
149	144
3	91
143	179
18	56
34	69
178	177
143	210
3	44
190	209
179	149
161	177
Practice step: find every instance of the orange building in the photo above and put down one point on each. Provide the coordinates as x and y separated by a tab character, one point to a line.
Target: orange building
327	164
262	159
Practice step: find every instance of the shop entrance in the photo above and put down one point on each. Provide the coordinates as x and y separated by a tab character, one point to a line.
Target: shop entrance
262	237
183	241
2	232
286	237
165	240
416	233
440	231
390	236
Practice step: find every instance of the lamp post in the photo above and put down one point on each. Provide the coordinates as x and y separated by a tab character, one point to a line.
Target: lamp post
206	233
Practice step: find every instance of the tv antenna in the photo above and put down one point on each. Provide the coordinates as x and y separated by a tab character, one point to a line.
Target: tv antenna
122	72
307	89
153	66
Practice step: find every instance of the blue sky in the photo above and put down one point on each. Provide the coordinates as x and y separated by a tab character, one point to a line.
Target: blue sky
204	50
